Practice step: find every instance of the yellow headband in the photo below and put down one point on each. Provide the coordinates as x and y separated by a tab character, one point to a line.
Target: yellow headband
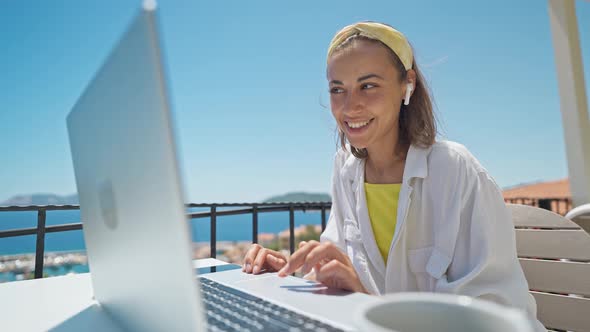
394	39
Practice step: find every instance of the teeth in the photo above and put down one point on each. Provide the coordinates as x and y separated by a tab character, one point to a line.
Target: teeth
357	124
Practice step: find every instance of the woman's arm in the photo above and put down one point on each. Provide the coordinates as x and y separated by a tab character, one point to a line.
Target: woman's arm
485	263
334	232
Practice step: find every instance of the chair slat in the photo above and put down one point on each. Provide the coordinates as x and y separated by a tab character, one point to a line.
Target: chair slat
563	312
527	216
557	276
553	244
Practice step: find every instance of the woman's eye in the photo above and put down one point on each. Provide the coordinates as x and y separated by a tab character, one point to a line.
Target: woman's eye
336	90
367	86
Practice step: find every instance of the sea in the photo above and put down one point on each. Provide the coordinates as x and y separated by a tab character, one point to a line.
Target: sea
229	228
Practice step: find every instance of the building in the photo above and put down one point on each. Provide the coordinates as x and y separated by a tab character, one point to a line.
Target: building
551	195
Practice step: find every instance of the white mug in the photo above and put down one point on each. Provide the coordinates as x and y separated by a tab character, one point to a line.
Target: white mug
429	312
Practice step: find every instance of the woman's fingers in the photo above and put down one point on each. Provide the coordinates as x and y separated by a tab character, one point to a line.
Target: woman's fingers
333	274
259	258
298	258
311	274
336	274
322	254
310	254
275	260
332	267
250	257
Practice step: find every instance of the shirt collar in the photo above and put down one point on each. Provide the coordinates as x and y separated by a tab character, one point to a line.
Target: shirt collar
416	163
416	166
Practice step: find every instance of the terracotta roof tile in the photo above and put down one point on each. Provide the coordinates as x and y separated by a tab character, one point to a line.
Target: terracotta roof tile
549	189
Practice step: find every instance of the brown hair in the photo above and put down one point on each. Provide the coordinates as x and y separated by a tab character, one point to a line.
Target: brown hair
417	123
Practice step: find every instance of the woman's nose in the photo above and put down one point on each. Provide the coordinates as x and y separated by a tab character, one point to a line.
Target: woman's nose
353	103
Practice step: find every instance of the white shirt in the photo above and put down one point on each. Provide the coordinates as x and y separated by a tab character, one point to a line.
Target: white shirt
454	233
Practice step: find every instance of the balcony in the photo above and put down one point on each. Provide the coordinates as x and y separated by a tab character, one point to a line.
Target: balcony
50	263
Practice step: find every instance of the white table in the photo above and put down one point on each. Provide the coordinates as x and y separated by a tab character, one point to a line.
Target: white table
62	303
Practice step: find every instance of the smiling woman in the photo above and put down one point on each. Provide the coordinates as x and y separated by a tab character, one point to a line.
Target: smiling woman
409	213
376	75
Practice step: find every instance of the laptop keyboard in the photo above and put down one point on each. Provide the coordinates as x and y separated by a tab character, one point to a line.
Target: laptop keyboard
229	309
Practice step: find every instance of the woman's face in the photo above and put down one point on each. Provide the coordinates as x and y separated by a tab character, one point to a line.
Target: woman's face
365	94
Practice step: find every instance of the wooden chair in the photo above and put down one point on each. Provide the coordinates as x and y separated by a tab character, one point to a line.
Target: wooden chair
555	255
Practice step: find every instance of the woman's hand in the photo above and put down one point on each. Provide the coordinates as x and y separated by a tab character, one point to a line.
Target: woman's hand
259	258
332	267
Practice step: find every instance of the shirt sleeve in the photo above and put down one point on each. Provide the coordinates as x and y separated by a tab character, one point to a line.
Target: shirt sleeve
334	227
484	263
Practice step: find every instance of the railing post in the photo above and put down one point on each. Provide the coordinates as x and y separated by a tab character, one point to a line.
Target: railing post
40	247
255	223
323	216
213	240
291	228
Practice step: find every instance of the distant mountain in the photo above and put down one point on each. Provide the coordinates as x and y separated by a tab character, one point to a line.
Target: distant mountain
300	197
41	199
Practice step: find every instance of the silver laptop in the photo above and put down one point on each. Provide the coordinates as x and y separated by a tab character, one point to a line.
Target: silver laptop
135	228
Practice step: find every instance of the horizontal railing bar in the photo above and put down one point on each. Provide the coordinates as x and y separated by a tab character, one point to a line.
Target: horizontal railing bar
78	226
48	229
18	232
306	205
190	205
63	228
39	207
198	215
250	210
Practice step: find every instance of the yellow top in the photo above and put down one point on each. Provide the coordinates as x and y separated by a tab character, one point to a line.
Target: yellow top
382	204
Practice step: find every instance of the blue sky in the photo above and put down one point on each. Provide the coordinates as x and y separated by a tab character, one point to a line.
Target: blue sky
247	83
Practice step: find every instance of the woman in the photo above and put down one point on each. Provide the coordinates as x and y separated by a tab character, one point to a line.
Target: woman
408	213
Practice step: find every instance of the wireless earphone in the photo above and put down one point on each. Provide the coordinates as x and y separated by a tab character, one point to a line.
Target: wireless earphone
409	88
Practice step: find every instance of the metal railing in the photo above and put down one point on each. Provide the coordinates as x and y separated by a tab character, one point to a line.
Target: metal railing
557	205
241	208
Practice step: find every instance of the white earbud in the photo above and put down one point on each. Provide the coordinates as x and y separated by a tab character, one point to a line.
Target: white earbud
409	88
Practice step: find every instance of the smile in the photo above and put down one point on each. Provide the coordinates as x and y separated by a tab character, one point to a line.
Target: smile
358	124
